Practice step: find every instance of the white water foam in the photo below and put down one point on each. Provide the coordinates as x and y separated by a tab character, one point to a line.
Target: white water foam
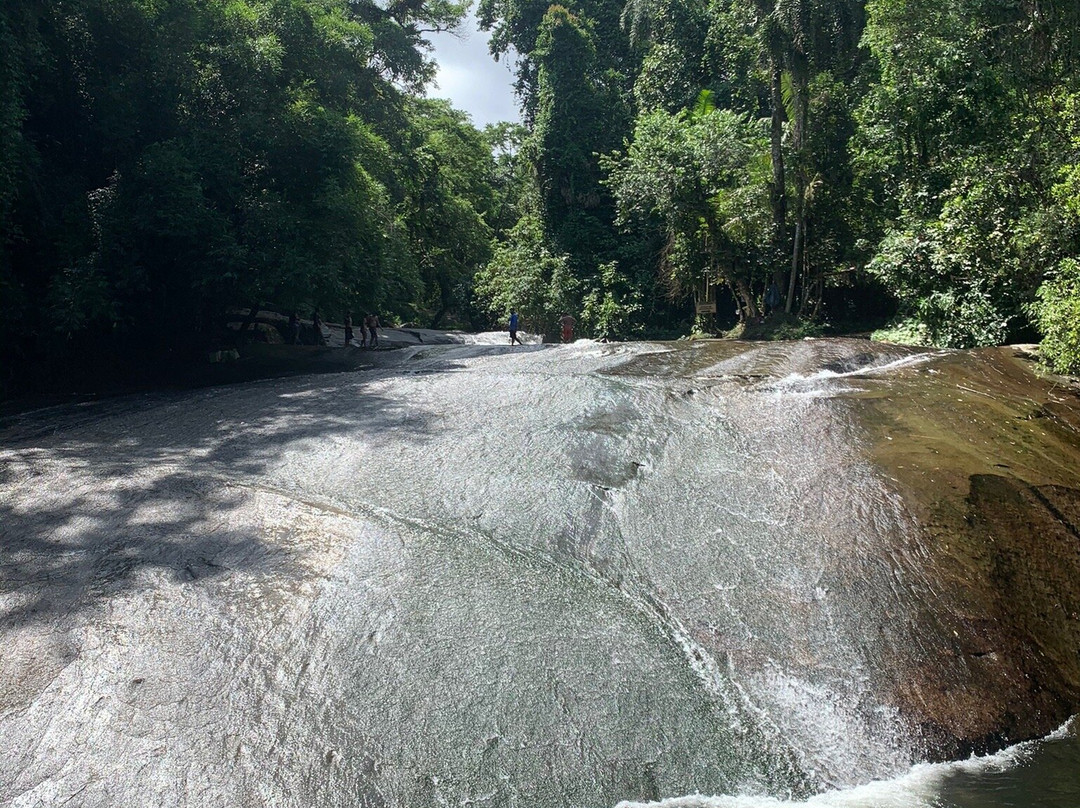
842	742
863	370
808	384
919	787
499	338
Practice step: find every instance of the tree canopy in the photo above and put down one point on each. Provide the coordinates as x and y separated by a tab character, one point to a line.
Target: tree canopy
165	162
862	155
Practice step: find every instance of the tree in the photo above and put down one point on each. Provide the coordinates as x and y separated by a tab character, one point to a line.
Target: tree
967	126
527	274
451	176
703	177
164	163
517	27
572	124
671	36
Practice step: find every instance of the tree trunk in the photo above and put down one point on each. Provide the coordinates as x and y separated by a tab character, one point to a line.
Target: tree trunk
745	297
446	300
778	192
811	284
801	93
794	267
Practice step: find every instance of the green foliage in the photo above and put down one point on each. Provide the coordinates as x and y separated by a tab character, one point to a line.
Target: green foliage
612	308
731	57
941	154
511	178
702	177
161	163
518	26
965	274
451	193
576	99
527	275
779	326
963	139
671	37
903	332
577	117
1057	312
790	328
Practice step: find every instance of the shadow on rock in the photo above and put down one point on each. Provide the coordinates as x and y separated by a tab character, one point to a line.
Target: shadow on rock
1014	614
94	498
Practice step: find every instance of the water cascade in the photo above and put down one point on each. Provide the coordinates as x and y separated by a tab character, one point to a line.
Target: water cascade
716	574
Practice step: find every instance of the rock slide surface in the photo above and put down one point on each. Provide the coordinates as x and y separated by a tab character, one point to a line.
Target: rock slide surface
543	576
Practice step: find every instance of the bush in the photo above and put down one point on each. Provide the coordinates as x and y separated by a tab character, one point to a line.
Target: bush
1057	315
779	326
612	308
903	332
528	275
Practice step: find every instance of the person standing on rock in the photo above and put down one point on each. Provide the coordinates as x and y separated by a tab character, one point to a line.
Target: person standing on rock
348	330
372	323
567	322
772	298
514	328
316	326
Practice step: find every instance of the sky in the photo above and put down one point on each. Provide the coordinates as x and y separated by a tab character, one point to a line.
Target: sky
471	78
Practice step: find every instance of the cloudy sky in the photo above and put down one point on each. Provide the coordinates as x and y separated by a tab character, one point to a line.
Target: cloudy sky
471	79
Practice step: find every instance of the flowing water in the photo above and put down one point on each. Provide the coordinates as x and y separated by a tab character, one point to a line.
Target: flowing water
712	574
1034	774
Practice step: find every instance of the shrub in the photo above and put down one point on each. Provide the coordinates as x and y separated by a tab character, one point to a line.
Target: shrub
1057	314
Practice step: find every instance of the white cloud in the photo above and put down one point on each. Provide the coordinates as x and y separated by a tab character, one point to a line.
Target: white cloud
471	78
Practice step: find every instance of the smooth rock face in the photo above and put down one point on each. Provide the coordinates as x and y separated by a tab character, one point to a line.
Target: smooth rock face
987	460
539	576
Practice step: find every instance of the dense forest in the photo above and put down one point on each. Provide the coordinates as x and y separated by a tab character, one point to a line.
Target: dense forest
805	165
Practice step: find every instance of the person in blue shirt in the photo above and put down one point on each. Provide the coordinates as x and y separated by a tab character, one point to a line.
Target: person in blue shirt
514	329
772	298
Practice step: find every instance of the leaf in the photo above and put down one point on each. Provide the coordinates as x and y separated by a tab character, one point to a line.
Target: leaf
705	104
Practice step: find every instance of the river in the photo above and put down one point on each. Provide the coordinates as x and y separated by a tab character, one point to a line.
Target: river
538	576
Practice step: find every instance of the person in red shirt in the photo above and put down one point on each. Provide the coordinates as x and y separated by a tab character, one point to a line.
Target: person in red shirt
567	322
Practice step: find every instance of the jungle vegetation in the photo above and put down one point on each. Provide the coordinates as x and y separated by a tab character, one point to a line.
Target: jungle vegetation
166	162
